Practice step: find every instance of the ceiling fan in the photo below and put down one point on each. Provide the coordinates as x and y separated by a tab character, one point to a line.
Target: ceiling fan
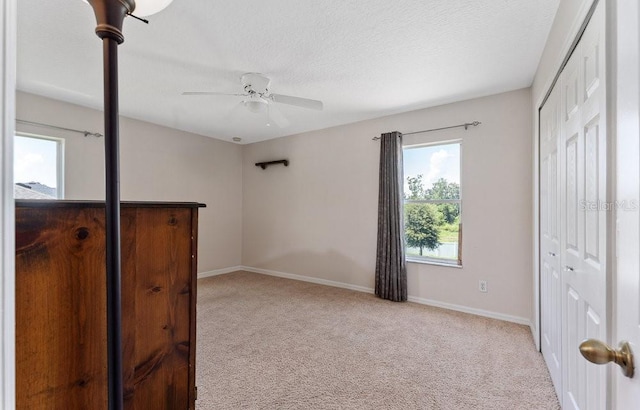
258	98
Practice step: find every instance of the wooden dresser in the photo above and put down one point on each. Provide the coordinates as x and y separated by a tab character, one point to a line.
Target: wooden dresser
61	359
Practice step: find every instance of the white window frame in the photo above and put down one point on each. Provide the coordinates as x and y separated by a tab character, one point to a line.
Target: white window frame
59	158
426	259
8	23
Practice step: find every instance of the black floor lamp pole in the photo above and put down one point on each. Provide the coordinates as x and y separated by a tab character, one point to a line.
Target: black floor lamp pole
112	206
110	16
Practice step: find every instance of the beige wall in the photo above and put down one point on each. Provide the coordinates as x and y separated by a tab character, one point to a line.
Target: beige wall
317	217
157	164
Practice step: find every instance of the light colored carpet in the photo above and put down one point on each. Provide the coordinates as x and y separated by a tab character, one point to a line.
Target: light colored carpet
271	343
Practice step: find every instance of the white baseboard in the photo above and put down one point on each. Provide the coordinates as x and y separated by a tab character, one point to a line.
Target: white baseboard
535	335
414	299
311	279
473	311
219	271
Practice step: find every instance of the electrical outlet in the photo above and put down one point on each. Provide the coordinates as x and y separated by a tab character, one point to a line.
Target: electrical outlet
482	286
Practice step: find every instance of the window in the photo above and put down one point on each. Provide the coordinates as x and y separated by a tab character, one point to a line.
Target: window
37	167
432	205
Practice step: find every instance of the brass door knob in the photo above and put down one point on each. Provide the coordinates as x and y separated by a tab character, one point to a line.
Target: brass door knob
598	352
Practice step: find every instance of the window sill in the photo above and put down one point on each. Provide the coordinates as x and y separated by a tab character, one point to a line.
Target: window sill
433	262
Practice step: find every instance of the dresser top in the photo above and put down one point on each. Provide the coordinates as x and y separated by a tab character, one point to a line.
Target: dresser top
55	203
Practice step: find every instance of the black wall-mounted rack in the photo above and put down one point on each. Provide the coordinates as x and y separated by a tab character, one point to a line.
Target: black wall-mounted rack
264	165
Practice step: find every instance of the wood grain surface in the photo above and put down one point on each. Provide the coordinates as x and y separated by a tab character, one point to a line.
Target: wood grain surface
61	308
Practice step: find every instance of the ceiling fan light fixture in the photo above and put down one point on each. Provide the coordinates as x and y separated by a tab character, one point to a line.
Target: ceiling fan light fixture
145	8
256	106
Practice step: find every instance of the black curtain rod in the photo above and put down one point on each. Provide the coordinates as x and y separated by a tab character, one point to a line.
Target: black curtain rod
39	124
465	125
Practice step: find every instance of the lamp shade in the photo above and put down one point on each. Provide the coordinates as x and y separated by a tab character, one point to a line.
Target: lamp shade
146	8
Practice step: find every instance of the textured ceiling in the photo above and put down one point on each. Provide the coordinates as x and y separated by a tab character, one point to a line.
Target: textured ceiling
363	59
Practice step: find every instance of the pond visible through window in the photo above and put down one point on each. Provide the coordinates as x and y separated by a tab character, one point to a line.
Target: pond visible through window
432	210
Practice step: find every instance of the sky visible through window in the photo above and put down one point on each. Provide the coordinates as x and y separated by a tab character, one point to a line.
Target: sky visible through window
432	230
35	160
433	163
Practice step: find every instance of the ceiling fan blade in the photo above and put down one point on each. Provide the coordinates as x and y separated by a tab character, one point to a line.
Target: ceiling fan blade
211	93
277	117
297	101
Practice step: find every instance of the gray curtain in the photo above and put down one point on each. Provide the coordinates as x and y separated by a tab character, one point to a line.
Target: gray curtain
391	270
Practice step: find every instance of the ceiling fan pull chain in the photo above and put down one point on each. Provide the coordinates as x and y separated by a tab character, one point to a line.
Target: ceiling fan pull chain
268	114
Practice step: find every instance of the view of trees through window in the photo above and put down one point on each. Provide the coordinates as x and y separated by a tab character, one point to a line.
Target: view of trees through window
432	202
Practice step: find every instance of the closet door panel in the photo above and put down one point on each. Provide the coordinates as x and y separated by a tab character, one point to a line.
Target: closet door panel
550	281
593	194
573	380
584	212
573	285
572	196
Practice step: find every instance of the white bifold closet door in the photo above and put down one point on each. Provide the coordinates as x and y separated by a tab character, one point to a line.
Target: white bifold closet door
573	185
551	269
